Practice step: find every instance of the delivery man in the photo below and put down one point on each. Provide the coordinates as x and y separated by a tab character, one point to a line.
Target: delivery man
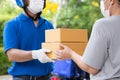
23	36
102	54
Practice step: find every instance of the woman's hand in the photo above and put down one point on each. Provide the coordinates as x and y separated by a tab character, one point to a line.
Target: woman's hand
65	53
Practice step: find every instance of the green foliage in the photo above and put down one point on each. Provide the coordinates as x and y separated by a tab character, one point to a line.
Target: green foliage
8	7
4	62
6	13
80	14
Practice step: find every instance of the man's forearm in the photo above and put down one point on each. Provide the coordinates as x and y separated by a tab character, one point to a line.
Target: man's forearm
16	55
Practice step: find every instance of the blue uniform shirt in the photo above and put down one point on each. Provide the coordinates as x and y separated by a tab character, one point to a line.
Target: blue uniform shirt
21	33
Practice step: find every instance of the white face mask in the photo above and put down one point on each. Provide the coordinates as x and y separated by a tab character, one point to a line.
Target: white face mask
105	13
36	6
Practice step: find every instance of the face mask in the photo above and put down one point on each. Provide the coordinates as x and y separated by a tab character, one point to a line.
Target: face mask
105	13
36	6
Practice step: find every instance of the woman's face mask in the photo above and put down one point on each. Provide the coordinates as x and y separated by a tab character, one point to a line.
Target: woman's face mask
35	6
105	13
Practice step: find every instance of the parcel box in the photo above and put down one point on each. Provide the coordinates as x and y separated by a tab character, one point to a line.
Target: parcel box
77	47
66	35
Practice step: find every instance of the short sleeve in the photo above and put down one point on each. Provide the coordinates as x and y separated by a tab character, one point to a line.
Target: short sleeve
49	25
96	50
10	38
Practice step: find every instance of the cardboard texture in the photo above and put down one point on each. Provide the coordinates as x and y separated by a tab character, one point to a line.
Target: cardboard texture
77	47
66	35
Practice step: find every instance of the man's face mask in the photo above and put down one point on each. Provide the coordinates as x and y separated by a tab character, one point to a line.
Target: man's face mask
105	13
36	6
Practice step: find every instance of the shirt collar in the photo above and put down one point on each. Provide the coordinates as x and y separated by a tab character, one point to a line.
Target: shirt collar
25	18
41	21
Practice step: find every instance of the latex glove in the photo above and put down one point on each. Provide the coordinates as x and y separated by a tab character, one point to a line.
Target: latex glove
41	55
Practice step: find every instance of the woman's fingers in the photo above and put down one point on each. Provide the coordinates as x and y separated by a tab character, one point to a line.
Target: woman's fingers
62	45
58	54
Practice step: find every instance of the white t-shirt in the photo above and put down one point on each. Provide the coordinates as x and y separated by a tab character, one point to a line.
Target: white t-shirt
103	49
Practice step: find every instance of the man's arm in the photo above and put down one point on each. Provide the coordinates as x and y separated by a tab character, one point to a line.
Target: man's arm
16	55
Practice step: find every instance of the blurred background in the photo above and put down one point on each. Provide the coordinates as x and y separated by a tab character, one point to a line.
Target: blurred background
77	14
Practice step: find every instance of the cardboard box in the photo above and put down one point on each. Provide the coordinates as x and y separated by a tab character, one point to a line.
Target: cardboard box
77	47
66	35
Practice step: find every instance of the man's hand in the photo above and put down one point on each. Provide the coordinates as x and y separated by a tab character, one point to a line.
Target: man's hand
41	55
